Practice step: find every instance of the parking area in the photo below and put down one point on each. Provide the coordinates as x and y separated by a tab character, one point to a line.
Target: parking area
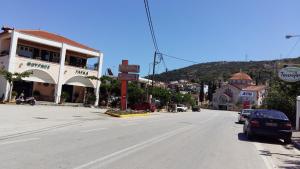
21	119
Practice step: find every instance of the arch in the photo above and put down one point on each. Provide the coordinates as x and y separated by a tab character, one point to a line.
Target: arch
79	81
40	76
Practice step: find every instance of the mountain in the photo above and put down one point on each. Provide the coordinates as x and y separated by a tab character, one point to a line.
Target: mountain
211	71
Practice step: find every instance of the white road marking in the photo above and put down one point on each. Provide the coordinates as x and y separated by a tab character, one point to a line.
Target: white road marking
91	130
267	159
18	141
126	151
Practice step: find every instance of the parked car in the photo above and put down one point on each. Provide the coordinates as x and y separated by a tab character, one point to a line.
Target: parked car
181	108
144	106
244	114
268	123
196	108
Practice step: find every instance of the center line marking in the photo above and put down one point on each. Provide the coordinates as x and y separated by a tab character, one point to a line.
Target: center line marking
18	141
126	151
91	130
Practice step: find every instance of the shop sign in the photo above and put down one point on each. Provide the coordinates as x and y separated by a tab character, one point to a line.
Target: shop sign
246	94
38	65
82	72
289	74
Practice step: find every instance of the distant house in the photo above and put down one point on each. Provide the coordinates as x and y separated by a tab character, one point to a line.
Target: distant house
240	91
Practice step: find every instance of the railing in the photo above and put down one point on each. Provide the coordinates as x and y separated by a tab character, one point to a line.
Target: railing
86	67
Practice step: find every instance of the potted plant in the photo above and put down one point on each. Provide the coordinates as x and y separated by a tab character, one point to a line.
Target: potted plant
64	97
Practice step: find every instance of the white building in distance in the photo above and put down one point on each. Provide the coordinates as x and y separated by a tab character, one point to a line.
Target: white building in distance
58	65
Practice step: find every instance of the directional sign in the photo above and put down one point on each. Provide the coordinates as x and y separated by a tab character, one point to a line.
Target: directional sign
129	68
128	77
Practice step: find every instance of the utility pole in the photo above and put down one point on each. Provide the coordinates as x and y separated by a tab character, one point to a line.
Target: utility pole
154	63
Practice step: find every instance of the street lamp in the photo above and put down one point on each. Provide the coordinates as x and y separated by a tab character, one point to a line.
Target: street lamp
291	36
298	98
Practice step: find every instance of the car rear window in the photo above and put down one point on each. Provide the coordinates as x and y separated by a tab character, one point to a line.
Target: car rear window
270	114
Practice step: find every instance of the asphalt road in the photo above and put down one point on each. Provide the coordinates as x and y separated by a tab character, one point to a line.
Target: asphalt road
191	140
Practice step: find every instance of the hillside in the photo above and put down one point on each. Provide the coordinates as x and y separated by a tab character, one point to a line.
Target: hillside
260	70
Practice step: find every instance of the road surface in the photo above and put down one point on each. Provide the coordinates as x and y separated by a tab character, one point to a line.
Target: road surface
190	140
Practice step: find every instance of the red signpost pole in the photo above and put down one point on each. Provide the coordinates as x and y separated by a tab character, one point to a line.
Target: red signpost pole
124	89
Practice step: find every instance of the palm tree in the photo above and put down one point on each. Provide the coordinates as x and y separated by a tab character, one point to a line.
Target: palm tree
12	77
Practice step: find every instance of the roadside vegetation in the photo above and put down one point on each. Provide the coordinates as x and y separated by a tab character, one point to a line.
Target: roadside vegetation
110	93
282	96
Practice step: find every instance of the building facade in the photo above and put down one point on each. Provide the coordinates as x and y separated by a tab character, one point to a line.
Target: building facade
58	65
239	91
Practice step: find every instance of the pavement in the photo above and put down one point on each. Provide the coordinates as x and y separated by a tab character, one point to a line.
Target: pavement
296	139
208	139
23	119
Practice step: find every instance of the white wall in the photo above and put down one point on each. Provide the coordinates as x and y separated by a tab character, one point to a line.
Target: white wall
3	65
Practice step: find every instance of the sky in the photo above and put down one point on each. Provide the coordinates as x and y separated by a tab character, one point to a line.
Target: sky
197	30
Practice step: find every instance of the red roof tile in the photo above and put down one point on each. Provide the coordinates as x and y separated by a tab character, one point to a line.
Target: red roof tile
54	37
240	76
255	88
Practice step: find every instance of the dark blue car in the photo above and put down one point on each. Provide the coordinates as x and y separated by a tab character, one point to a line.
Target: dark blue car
269	123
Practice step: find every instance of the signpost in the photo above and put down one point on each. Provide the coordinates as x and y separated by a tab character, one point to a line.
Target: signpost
127	74
292	74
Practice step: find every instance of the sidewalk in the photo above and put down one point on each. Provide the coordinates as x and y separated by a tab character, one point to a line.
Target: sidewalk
22	119
296	139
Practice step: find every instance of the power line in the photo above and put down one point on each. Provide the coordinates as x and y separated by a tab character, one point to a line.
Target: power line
293	47
150	23
174	57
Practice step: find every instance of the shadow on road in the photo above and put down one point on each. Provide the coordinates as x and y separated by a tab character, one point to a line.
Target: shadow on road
292	164
243	137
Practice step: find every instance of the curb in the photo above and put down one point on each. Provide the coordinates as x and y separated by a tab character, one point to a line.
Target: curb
296	145
128	115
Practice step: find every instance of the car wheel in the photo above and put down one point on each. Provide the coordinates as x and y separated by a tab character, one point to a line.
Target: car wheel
249	135
287	140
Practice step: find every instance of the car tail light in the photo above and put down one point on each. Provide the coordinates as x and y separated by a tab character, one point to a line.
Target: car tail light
287	126
254	123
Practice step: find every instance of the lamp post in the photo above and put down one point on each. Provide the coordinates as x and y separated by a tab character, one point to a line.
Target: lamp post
298	98
291	36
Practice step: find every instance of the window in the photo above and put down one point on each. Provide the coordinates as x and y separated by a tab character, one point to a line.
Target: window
45	55
25	51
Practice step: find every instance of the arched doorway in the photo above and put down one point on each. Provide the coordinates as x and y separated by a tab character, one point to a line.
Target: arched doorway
39	84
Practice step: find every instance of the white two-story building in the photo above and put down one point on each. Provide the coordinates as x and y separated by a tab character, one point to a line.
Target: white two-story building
58	65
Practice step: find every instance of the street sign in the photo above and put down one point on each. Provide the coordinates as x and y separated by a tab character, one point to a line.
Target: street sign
289	74
128	77
129	68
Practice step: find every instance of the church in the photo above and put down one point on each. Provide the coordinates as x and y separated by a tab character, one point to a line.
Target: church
239	92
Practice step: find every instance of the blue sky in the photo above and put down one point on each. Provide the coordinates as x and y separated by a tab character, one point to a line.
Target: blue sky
198	30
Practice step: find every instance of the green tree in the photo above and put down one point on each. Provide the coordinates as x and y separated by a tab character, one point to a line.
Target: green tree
109	86
282	96
135	94
162	94
12	77
201	95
